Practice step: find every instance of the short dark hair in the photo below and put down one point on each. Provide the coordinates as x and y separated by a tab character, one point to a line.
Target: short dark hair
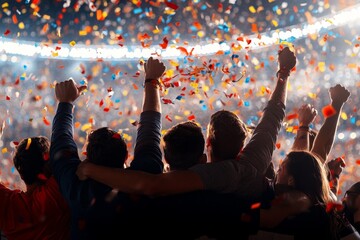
227	134
106	147
30	157
183	145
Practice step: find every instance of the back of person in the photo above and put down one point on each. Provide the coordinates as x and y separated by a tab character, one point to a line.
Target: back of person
41	212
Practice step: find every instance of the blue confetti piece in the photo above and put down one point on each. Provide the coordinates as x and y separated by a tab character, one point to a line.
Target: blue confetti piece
193	78
106	69
352	120
204	107
12	169
275	8
117	100
201	101
247	79
82	82
113	76
137	10
166	30
227	52
193	28
282	153
22	78
203	7
217	64
247	104
179	97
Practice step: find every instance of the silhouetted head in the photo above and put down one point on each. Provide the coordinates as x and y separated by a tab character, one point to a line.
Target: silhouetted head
106	147
184	146
30	159
304	172
350	203
226	135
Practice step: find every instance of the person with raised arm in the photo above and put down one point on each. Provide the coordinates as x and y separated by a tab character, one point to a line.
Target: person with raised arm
229	171
98	212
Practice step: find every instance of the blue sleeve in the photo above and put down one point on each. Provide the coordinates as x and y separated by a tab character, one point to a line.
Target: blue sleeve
147	153
64	158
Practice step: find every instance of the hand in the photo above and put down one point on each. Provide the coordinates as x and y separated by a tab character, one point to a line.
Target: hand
307	114
286	59
83	169
336	166
339	94
68	91
154	69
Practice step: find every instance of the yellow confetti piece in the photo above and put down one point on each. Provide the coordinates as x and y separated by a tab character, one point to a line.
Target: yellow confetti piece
82	33
252	9
321	66
329	21
348	42
4	150
201	34
72	43
86	126
46	17
28	143
177	117
312	95
125	93
173	63
278	11
289	129
352	65
344	116
169	73
156	30
275	23
21	25
5	5
55	54
211	81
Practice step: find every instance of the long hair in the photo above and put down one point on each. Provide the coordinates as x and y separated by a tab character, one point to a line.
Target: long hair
309	176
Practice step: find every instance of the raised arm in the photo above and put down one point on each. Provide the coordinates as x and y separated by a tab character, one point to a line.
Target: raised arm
147	152
260	148
64	157
307	114
325	138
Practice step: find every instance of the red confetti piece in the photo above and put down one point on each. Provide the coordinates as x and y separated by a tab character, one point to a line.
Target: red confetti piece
333	205
292	116
101	103
357	162
255	205
106	109
46	156
164	44
171	5
168	118
167	101
191	117
183	50
328	111
7	98
116	135
41	176
135	86
278	145
47	123
7	32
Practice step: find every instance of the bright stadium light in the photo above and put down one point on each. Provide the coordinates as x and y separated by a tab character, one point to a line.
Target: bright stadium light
115	53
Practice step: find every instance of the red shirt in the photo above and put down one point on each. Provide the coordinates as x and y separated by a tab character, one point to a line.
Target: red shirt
42	214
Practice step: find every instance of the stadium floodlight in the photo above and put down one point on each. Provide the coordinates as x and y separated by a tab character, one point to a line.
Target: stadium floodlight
115	53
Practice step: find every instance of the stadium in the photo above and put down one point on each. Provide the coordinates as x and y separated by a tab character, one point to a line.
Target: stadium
218	54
